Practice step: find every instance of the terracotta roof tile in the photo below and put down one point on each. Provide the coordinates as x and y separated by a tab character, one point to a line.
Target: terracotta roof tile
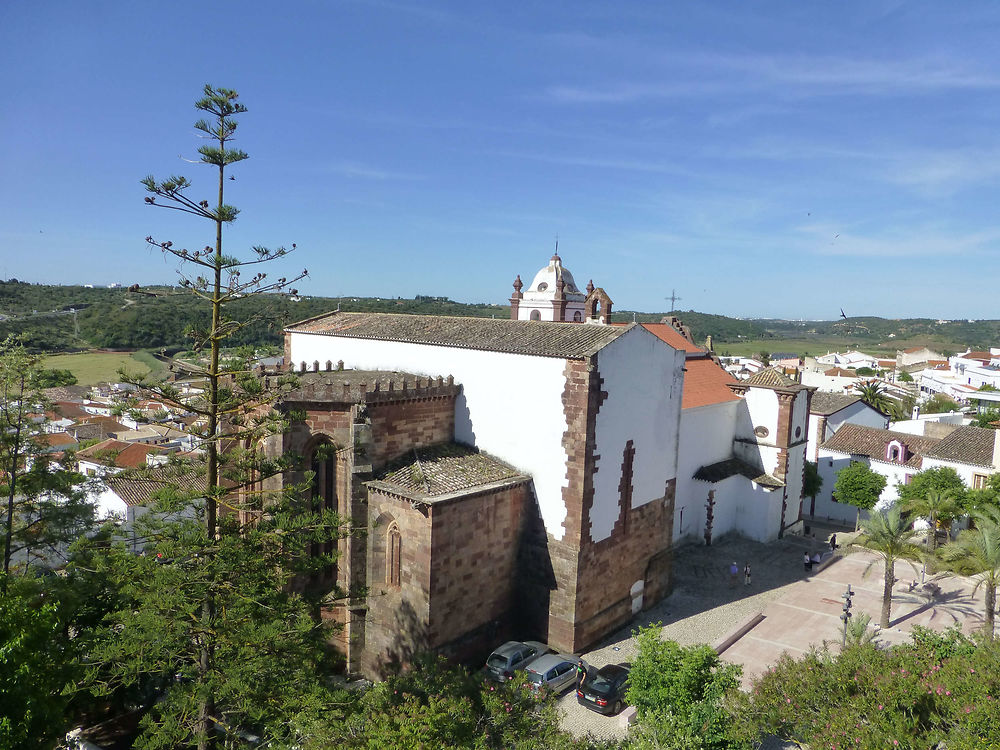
440	470
705	383
538	338
841	372
824	403
771	378
672	336
967	445
861	440
117	453
70	410
139	488
58	439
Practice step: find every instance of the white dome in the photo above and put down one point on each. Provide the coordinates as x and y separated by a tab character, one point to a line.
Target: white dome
543	286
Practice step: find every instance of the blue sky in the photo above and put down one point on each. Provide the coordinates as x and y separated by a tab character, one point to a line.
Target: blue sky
763	159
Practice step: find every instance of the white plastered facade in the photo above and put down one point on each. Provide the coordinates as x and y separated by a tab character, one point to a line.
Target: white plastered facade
643	378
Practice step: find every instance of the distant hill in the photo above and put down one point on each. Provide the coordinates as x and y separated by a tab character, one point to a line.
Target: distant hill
68	318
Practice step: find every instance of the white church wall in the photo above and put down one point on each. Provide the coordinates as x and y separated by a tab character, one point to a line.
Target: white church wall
643	378
745	508
761	410
510	405
706	438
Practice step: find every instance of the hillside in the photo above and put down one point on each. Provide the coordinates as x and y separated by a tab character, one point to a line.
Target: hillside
70	318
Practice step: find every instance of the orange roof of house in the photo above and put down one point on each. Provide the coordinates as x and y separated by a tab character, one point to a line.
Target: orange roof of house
937	362
54	439
914	349
69	409
672	336
977	355
126	455
705	383
840	371
886	363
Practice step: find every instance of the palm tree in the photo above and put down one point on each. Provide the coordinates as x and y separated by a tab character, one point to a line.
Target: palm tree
887	534
977	553
936	506
872	392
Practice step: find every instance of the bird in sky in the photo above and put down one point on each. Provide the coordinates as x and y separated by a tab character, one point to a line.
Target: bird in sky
843	314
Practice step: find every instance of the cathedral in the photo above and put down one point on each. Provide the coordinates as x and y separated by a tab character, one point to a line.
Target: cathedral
526	477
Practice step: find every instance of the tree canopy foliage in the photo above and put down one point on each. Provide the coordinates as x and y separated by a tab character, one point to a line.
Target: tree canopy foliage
940	479
939	690
859	486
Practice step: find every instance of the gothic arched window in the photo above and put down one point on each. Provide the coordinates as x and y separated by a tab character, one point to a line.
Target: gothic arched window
323	487
535	315
393	553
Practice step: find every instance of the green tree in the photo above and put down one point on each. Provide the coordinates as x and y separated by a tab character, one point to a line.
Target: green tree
904	377
433	704
764	357
872	392
939	403
891	537
216	618
941	479
937	506
679	691
52	377
812	482
35	665
859	486
42	510
935	692
986	419
976	552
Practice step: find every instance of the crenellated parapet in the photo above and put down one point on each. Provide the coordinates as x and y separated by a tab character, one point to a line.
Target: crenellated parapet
339	386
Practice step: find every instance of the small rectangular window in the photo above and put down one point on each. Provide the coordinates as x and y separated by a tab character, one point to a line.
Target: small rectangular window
979	481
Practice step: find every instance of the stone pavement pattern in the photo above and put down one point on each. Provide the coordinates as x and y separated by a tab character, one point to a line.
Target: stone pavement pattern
800	610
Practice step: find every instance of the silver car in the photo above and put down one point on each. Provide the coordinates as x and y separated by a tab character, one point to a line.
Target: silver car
551	673
511	656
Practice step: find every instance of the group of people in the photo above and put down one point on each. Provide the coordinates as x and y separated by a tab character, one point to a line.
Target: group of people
816	558
734	572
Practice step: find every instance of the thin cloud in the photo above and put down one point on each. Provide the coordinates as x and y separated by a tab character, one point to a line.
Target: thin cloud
704	75
825	239
368	172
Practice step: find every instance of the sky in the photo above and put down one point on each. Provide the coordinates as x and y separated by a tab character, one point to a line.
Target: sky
756	159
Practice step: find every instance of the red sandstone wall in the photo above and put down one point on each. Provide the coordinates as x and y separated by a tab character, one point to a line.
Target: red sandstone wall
402	426
396	621
474	549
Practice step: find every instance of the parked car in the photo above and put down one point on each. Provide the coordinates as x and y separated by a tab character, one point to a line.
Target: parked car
511	656
551	673
604	690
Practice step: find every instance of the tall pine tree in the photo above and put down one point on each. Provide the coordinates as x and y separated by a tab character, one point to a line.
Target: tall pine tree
211	625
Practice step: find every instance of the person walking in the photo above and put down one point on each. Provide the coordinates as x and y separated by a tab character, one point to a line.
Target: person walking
581	673
734	571
746	575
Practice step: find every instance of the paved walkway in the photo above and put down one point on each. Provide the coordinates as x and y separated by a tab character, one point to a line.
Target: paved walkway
800	609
